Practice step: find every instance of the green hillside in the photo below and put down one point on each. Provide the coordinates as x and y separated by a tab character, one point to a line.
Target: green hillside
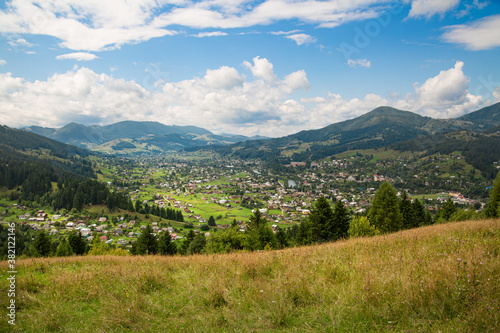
442	278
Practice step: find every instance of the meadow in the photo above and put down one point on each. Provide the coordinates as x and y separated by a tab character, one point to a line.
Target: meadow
440	278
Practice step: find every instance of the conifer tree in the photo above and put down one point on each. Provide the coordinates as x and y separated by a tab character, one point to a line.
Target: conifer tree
384	212
77	242
166	245
64	249
147	242
321	218
406	209
42	244
493	209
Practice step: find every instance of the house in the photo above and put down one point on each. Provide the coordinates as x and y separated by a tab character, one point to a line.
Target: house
174	236
70	225
119	232
104	238
102	219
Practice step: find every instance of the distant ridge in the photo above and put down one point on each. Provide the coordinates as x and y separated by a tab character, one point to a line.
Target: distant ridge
380	127
141	134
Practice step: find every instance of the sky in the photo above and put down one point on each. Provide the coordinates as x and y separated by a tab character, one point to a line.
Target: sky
268	67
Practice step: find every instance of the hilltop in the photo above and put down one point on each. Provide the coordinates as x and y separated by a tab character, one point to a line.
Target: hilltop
436	278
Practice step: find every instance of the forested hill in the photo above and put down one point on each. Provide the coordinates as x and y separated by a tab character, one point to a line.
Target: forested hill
33	162
481	150
380	127
34	144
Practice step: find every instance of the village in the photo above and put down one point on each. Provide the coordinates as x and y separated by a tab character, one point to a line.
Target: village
228	191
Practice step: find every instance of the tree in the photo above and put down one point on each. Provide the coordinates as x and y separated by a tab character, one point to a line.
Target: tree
64	249
42	244
406	209
448	210
493	209
321	218
185	244
77	242
282	238
197	245
341	219
360	227
259	234
147	242
166	245
384	212
211	221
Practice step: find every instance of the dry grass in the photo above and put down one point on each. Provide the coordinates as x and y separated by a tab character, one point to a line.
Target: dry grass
438	278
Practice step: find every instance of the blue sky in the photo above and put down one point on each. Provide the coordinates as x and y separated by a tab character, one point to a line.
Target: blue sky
270	67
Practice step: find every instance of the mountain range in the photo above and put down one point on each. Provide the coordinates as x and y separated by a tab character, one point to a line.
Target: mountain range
380	127
133	135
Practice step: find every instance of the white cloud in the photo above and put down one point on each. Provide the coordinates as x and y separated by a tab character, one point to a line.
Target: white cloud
84	25
2	62
359	63
20	42
478	35
79	56
222	100
284	32
224	77
263	69
302	39
105	25
443	96
429	8
210	34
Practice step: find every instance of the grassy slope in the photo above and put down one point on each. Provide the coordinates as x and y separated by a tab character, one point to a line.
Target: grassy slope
438	278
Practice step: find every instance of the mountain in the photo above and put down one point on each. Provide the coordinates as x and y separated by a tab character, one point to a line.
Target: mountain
143	136
34	162
378	128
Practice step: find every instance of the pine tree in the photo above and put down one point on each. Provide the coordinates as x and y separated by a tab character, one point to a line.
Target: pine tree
147	242
448	210
282	238
77	242
42	244
406	209
211	221
197	245
384	212
493	209
321	218
419	216
64	249
341	219
166	245
185	245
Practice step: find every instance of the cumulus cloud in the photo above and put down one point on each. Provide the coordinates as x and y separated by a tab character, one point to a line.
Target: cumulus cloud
222	100
359	63
263	69
443	96
478	35
2	62
20	42
429	8
79	56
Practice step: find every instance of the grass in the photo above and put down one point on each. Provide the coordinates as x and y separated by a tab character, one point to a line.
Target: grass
438	278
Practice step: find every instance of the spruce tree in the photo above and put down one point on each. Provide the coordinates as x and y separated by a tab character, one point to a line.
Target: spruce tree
341	220
384	212
166	245
42	244
147	242
406	209
321	218
493	208
64	249
77	242
211	221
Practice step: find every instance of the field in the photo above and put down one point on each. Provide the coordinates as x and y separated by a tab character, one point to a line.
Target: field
442	278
